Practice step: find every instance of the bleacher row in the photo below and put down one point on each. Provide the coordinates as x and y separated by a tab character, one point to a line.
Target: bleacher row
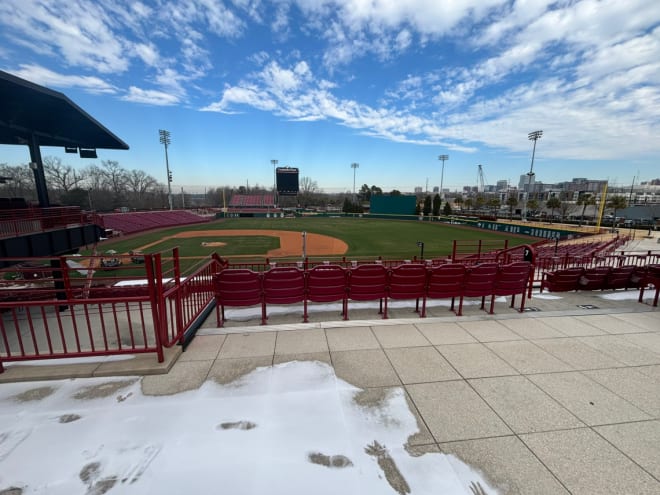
238	287
251	200
129	223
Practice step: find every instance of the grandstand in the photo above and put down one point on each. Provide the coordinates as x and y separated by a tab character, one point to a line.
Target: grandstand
139	221
252	203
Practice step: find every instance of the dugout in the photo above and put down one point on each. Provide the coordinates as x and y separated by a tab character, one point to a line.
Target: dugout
393	205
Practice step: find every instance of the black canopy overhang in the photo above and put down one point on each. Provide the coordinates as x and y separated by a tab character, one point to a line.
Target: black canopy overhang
28	110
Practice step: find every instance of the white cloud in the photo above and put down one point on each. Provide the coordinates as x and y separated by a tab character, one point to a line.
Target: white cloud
150	97
46	77
82	40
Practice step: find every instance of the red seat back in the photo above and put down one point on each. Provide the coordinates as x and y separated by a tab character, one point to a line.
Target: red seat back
594	278
407	281
284	285
480	280
512	278
621	277
367	282
562	280
237	287
446	281
326	283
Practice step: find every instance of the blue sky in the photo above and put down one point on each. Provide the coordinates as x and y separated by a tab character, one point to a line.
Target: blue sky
320	84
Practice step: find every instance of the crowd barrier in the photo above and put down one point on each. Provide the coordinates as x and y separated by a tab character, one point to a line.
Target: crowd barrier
75	308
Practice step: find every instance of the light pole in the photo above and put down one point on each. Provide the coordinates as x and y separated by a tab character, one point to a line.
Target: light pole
274	163
442	174
354	166
532	136
165	140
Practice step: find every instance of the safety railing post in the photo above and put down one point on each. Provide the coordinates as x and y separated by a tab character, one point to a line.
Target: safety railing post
155	303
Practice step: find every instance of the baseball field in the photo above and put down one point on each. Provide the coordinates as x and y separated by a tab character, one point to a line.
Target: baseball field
326	237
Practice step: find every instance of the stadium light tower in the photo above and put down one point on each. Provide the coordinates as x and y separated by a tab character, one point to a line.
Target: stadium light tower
274	163
442	174
354	166
165	141
532	136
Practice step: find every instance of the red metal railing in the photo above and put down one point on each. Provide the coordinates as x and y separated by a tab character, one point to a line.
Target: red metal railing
129	308
31	220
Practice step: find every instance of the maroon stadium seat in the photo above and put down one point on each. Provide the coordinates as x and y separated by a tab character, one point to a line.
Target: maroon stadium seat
594	278
562	280
446	281
327	283
284	285
368	283
237	287
479	282
512	279
409	282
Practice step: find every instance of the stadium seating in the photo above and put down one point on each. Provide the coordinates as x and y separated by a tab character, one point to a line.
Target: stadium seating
328	283
446	281
511	280
408	282
284	285
479	282
368	283
594	278
128	223
237	287
562	280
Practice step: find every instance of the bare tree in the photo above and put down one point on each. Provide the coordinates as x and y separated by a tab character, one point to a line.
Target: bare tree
307	188
139	183
115	179
61	177
19	182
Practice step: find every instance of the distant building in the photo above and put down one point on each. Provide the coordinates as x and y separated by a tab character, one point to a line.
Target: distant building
502	185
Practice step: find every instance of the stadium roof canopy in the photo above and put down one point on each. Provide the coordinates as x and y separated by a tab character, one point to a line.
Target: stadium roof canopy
31	111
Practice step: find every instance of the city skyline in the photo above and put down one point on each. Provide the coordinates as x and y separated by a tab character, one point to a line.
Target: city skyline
321	85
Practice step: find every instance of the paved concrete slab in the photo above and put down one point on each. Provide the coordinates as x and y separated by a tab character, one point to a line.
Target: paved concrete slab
225	371
523	406
184	375
301	341
421	365
489	331
609	324
475	360
365	368
439	333
587	464
642	320
351	338
248	345
571	326
527	358
454	411
636	387
203	347
399	336
531	328
323	357
508	464
640	441
579	355
622	350
588	400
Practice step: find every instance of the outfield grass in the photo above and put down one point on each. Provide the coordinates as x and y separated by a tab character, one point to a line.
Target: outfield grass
365	237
